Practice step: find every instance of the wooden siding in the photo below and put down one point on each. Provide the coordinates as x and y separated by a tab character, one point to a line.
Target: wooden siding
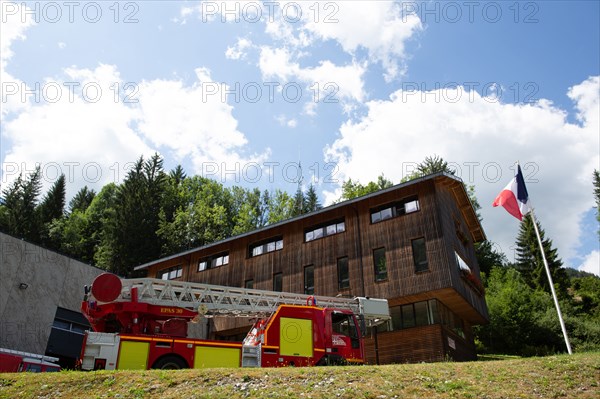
419	344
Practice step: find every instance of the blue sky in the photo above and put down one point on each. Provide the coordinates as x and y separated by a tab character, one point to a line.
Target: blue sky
241	91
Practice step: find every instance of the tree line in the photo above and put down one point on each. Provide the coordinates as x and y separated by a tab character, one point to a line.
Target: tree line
155	213
151	214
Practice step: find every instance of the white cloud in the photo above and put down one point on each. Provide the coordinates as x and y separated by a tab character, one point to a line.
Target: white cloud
591	263
193	121
378	26
326	82
284	121
483	138
84	134
92	136
239	50
15	22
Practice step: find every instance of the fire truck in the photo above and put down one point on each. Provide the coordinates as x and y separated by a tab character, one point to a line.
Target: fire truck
12	361
143	324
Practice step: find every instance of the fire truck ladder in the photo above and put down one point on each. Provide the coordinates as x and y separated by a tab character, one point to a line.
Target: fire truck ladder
215	300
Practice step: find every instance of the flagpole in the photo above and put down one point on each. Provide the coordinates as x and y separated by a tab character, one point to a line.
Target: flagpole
562	323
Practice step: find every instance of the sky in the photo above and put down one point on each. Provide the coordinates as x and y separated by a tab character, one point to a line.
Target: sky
273	94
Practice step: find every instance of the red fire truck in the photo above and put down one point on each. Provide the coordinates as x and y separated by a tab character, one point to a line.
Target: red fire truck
143	323
12	361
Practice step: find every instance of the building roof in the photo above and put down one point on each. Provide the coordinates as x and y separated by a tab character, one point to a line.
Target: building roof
453	183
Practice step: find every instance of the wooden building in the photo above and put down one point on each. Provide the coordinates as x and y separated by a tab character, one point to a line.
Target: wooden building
412	244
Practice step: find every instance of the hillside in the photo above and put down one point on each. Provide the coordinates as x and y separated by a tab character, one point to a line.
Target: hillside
563	376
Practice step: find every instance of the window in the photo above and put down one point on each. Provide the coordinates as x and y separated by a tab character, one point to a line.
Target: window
389	211
278	282
462	265
272	245
249	284
309	280
69	326
343	274
211	262
423	313
325	230
380	264
420	254
171	273
408	316
202	265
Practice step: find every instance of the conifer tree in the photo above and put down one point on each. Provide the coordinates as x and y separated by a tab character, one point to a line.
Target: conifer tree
18	215
299	202
311	200
81	200
530	263
52	208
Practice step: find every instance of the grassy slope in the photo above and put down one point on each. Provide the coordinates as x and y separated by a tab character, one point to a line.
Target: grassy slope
563	376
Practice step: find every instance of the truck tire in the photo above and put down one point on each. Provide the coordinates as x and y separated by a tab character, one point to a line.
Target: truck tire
170	362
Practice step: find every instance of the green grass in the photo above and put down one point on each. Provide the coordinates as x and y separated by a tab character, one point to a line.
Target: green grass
563	376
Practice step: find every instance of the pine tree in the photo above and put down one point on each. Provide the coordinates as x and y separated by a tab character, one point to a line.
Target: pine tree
82	200
299	202
130	237
530	263
50	209
19	216
311	200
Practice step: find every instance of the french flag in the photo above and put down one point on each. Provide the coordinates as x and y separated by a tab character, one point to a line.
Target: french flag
514	197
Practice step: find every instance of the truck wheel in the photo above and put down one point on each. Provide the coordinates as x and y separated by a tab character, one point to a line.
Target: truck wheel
170	363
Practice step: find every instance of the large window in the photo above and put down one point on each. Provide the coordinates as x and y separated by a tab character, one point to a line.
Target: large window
343	273
213	261
324	230
425	313
309	280
420	254
380	264
389	211
171	273
278	282
272	245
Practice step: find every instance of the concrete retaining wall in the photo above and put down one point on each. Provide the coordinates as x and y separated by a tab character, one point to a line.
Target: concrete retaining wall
34	281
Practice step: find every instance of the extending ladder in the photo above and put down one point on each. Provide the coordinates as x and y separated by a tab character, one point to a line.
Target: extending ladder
215	300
